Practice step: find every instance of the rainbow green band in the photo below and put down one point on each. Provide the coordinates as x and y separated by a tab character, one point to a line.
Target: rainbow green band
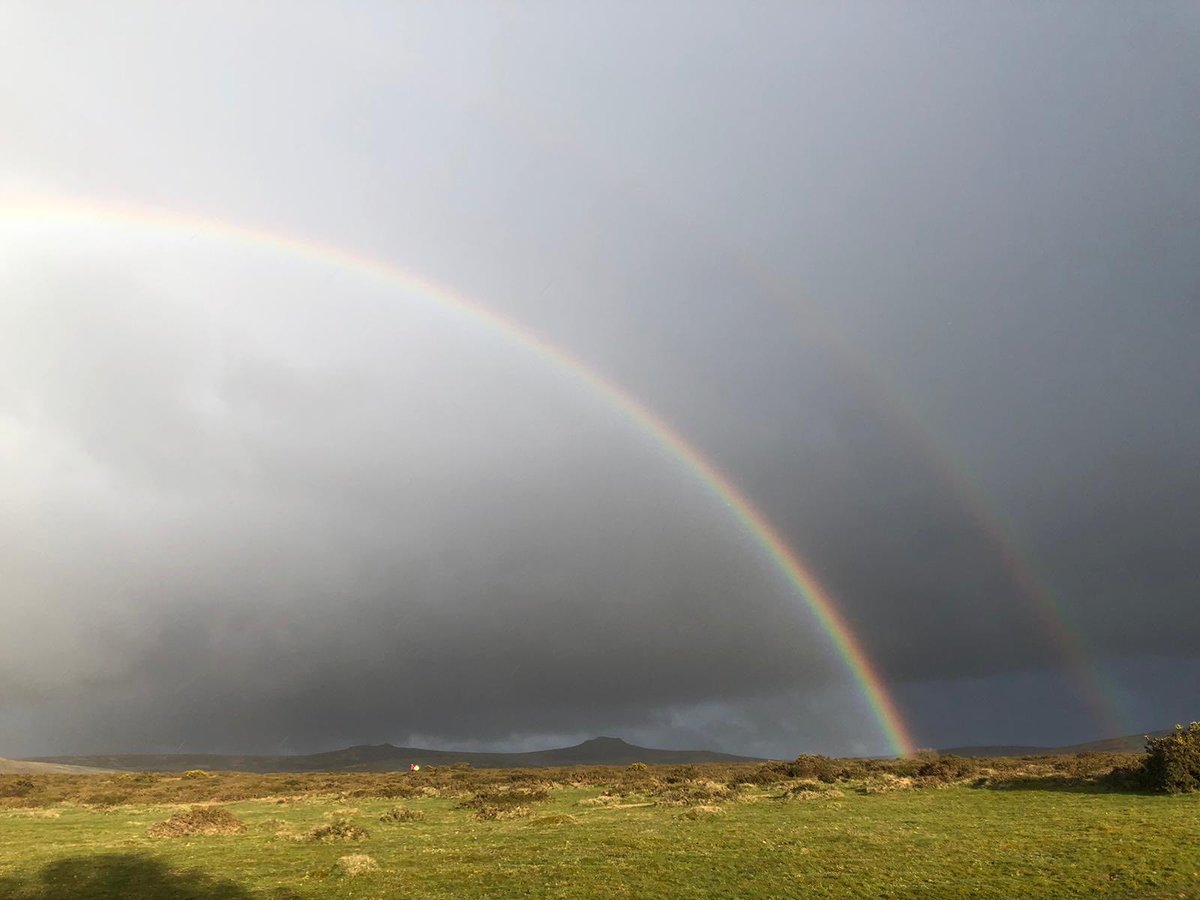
798	574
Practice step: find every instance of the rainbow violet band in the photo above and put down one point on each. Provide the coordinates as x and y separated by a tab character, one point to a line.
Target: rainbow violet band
798	573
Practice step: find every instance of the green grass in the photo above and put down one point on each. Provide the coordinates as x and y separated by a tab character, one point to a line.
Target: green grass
955	841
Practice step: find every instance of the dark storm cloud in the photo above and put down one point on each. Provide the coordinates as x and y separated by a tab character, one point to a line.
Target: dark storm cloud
249	501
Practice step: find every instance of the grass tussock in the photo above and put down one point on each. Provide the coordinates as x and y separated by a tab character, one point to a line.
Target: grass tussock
398	814
338	828
885	783
700	792
701	812
491	804
356	864
807	789
606	801
31	814
490	813
199	820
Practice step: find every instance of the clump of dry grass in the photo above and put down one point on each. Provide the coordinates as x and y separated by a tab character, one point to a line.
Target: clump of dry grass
885	784
491	813
198	820
694	793
402	814
504	803
31	814
336	829
807	789
357	864
700	812
604	800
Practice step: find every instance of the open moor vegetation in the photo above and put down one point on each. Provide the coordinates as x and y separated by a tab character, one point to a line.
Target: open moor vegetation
1085	825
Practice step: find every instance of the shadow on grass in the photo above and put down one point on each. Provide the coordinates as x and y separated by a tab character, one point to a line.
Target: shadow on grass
120	876
1067	784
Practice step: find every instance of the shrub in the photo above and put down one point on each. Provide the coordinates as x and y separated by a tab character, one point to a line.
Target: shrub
681	773
1172	763
107	799
946	769
819	768
638	767
17	787
197	773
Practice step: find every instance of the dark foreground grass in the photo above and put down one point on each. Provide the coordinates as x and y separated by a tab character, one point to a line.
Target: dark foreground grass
1075	840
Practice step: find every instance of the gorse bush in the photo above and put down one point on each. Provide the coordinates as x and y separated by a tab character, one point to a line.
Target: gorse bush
1172	763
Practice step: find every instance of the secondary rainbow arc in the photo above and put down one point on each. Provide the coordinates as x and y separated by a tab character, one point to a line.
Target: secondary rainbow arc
1048	610
795	570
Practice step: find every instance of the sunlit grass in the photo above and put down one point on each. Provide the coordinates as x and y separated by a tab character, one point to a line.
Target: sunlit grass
953	841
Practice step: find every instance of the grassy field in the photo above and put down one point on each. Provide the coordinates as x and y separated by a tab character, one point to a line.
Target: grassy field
687	832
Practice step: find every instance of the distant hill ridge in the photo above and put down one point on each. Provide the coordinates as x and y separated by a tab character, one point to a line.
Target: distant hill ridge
1130	743
601	751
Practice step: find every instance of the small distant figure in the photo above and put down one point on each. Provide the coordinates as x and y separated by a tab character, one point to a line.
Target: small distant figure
413	767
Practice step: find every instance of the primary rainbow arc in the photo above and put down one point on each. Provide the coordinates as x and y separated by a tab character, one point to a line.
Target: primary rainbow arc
796	571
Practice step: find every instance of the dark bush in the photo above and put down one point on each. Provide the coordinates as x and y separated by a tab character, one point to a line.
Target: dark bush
947	769
680	774
818	768
1172	763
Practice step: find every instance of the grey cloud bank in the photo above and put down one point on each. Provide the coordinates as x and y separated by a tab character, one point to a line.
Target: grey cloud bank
248	499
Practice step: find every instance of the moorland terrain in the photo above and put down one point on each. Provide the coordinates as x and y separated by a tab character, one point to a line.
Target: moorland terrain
930	826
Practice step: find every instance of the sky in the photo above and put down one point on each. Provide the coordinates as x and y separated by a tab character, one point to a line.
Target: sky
918	280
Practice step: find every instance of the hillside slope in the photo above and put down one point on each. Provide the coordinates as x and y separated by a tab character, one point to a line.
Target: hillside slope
601	751
1129	743
32	767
